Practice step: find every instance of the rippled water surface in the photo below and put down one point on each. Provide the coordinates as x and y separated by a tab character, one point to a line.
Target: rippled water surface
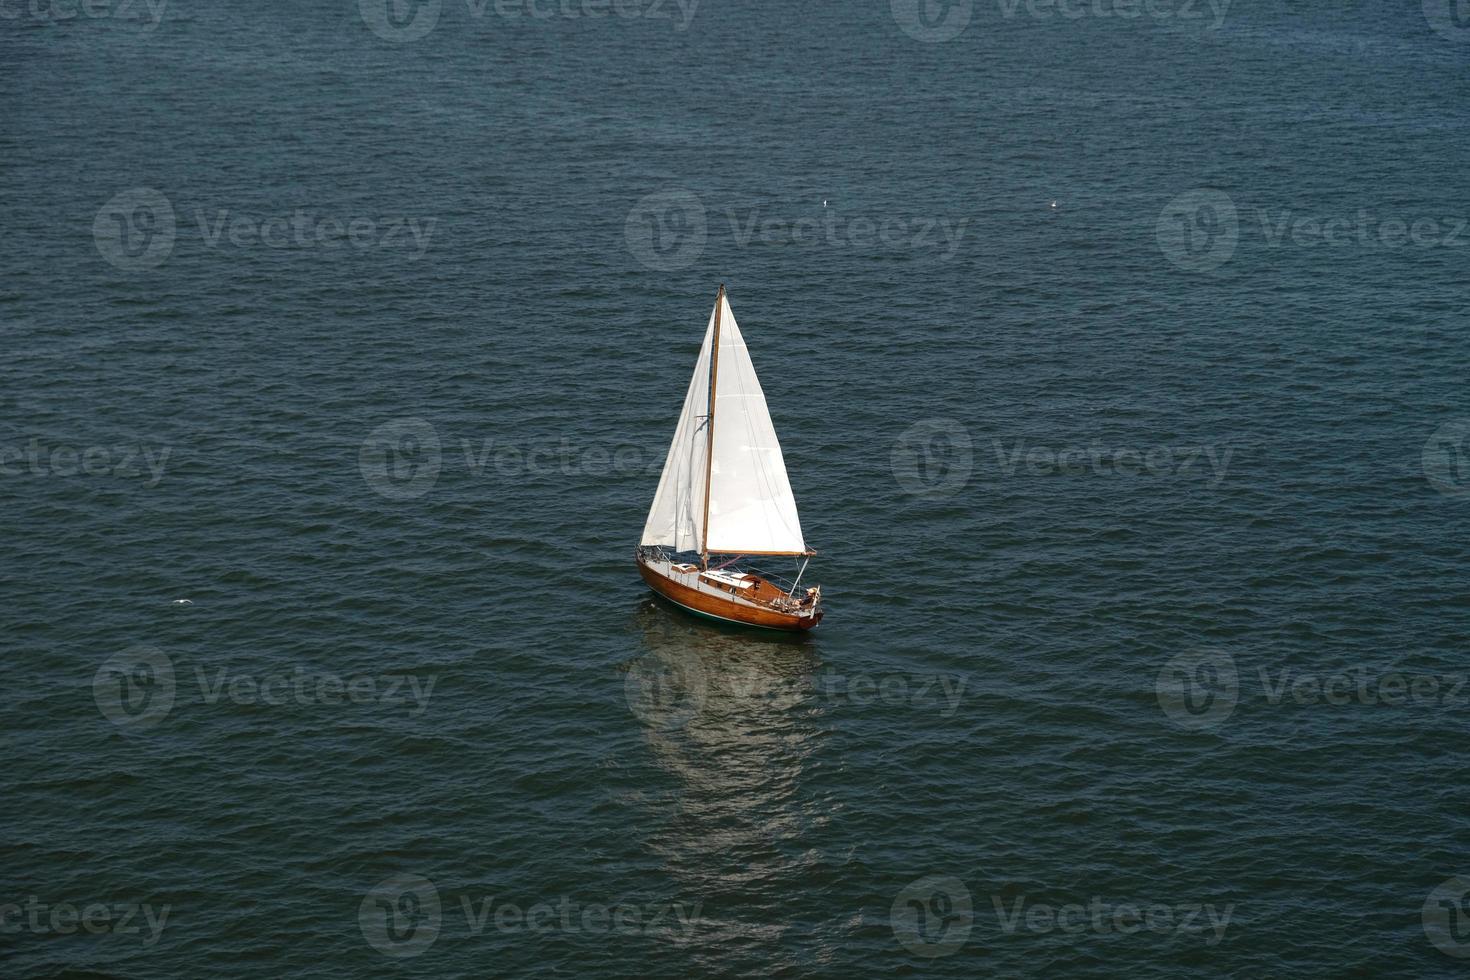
1120	368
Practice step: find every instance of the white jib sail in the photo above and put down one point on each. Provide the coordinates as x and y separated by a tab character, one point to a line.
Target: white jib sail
676	519
751	506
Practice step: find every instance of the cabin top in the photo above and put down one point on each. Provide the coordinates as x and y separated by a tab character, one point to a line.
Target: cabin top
742	581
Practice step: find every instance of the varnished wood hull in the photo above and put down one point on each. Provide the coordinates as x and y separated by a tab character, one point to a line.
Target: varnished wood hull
728	610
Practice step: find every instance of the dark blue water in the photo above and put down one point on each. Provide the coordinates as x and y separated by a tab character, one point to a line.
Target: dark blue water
1119	362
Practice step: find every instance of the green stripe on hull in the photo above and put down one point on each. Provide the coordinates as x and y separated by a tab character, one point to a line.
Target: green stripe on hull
721	619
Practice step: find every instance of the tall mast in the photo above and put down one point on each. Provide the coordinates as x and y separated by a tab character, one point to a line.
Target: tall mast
709	445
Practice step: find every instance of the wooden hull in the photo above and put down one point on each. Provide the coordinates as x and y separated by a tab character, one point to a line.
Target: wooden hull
719	607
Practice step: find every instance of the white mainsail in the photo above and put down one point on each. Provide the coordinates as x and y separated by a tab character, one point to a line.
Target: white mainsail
751	507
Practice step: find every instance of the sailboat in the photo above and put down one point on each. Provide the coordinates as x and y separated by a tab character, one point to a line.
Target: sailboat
724	498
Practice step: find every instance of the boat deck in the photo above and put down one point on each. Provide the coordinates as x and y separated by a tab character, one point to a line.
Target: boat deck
732	594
